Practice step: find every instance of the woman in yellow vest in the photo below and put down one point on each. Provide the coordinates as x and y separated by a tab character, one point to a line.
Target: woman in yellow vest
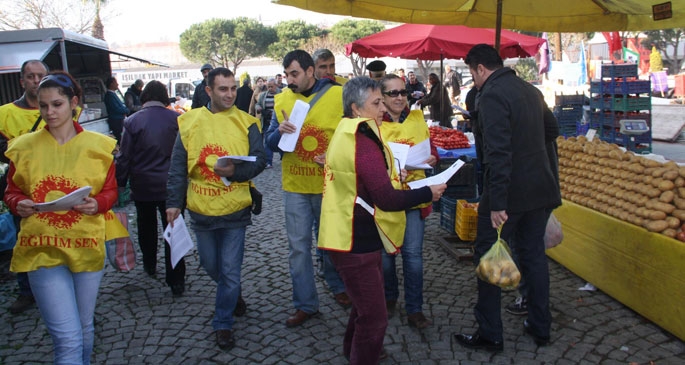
400	125
362	212
63	252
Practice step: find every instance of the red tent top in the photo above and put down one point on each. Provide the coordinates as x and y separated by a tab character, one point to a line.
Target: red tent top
433	42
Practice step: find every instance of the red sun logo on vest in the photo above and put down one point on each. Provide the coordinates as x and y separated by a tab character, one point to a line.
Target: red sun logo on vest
313	142
404	141
208	171
56	187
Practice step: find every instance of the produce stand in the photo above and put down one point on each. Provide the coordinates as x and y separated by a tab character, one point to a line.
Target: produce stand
643	270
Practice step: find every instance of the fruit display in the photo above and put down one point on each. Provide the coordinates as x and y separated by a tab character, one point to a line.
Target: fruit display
626	186
448	139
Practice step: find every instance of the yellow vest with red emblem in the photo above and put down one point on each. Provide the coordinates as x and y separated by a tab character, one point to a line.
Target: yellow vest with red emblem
412	131
15	121
300	173
45	171
208	136
340	194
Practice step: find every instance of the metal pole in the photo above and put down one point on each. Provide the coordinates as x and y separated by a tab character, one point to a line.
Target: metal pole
498	29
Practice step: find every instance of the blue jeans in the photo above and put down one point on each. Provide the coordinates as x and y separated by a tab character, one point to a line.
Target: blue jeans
221	255
66	302
302	212
412	265
331	275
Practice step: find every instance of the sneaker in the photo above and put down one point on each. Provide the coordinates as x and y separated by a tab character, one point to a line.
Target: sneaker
268	166
519	307
22	303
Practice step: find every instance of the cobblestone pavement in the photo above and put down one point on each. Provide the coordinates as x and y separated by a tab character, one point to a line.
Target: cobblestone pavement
139	322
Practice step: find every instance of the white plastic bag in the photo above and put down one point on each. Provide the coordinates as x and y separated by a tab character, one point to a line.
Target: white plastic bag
553	232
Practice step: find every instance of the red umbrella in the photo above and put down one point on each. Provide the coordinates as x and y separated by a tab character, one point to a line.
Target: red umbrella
434	42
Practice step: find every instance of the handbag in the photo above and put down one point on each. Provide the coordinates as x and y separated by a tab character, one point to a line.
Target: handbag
120	251
8	232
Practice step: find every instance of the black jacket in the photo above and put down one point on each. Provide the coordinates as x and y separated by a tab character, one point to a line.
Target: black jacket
200	97
244	97
518	130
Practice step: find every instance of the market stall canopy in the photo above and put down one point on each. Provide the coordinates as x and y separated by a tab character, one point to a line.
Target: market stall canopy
434	42
529	15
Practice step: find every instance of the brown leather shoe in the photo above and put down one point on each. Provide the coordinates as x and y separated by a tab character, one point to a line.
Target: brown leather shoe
343	300
418	320
224	339
298	318
22	303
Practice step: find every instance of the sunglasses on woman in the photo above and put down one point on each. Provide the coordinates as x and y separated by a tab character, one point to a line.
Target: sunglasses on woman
395	93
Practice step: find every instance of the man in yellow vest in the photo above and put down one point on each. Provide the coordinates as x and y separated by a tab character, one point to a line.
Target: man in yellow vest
17	118
324	65
217	191
303	169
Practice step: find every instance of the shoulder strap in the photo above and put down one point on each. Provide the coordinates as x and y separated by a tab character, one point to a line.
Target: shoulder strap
35	125
319	94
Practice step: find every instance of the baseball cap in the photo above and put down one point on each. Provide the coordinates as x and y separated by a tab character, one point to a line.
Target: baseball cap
206	66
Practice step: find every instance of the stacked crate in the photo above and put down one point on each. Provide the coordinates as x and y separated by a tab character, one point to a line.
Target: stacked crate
568	110
620	95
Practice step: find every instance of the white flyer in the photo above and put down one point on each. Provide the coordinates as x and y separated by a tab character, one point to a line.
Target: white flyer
418	155
223	161
66	202
440	178
400	152
179	240
297	115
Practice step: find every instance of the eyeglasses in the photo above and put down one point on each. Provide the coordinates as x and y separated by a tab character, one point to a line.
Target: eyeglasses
60	80
395	93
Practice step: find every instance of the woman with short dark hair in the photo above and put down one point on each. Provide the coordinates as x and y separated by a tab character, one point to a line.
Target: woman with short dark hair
143	160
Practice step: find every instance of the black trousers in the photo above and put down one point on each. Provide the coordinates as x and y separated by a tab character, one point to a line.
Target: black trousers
524	232
148	240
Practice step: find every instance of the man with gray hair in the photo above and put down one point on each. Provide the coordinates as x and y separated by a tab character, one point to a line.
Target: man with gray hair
264	109
324	65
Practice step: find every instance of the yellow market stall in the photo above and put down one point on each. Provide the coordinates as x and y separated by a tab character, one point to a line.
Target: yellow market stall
620	216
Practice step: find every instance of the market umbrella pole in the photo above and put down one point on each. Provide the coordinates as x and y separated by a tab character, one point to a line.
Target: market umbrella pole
498	26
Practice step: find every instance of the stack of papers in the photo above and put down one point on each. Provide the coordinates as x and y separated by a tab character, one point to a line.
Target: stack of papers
223	161
66	202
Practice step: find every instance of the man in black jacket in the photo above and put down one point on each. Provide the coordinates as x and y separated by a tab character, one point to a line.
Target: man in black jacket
520	191
200	97
132	96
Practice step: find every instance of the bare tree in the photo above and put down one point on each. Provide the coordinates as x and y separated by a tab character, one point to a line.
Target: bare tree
72	15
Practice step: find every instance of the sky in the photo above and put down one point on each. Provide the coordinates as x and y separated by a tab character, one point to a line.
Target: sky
137	21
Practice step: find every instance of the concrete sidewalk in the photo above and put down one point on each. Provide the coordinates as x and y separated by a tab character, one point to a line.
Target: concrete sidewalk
138	321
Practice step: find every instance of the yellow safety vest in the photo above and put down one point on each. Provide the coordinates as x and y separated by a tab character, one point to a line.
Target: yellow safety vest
113	227
15	121
412	131
208	136
340	194
300	173
341	80
45	171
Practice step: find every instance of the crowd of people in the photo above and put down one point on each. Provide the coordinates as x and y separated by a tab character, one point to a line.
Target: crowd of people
343	192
